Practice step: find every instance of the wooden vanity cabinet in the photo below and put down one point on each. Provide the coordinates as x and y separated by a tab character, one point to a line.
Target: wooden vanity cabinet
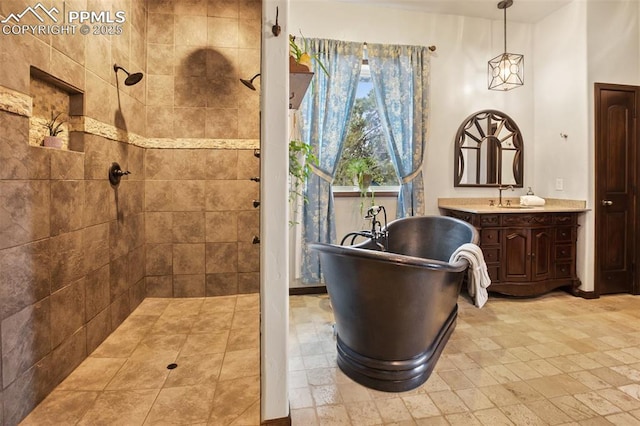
527	254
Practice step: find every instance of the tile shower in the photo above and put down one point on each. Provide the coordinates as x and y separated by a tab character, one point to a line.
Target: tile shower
78	256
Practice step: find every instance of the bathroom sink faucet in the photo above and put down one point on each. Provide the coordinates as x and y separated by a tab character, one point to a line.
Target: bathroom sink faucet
500	189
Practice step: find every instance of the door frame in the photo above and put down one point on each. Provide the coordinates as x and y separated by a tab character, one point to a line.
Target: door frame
598	88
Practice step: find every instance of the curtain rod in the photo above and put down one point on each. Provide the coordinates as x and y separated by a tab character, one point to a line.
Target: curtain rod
431	48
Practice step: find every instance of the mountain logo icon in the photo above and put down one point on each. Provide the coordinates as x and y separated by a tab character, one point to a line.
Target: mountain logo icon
34	11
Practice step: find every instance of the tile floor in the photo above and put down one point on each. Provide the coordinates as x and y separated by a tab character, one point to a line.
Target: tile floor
125	381
552	360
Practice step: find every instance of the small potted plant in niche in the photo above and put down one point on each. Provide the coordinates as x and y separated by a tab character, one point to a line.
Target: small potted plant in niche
54	126
301	158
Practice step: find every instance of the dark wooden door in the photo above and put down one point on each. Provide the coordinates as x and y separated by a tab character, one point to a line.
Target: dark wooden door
616	138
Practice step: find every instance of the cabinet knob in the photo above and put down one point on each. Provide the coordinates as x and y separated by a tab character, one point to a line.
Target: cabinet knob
607	202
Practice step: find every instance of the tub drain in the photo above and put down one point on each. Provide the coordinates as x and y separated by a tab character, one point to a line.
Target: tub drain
171	366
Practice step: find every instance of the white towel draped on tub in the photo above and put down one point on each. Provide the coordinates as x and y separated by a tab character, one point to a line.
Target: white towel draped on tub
478	276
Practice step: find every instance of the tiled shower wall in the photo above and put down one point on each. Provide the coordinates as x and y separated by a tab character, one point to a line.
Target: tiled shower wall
71	258
200	222
197	52
73	250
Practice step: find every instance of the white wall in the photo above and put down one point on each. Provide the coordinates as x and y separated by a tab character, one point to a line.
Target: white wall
274	226
561	105
458	72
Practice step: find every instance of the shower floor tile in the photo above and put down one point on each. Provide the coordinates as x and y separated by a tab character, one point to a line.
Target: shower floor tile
126	380
554	359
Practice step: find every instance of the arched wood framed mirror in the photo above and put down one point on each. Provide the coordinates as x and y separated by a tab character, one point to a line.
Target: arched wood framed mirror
488	151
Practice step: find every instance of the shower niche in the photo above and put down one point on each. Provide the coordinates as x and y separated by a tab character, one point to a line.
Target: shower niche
56	106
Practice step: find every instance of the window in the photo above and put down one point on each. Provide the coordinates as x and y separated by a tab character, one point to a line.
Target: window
365	140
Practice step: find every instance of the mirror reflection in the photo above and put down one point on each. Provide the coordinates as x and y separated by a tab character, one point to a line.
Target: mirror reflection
488	151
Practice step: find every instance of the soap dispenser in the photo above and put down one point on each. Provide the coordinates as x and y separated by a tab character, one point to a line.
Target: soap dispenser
529	191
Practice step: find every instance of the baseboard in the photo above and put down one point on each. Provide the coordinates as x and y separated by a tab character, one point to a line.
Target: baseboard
283	421
585	294
315	289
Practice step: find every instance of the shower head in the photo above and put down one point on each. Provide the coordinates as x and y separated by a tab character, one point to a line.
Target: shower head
131	78
249	83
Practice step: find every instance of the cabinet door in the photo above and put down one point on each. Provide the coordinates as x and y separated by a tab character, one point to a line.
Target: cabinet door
540	254
516	265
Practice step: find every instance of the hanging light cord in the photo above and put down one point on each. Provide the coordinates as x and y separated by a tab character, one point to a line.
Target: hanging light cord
505	30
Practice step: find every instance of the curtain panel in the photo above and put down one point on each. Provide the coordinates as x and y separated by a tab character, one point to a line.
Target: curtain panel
400	77
325	112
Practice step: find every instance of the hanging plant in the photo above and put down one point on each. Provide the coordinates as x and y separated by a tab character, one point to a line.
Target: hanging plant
301	158
363	171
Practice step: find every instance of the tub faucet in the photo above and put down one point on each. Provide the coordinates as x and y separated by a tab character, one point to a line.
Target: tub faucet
377	231
500	189
378	235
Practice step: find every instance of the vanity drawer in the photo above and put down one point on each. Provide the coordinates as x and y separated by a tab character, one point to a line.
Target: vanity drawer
526	219
489	220
564	251
564	233
565	218
489	236
491	255
564	270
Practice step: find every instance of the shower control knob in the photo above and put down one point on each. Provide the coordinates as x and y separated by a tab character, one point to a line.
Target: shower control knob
255	240
255	179
256	204
116	173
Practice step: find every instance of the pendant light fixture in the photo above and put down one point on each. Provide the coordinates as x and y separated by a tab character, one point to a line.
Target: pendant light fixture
506	71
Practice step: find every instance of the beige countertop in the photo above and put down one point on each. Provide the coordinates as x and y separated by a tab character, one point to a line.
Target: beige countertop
481	205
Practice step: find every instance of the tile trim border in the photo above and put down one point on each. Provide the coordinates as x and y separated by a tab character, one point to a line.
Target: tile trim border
15	102
21	104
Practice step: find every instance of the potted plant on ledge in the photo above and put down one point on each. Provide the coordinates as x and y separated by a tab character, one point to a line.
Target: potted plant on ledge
300	58
54	126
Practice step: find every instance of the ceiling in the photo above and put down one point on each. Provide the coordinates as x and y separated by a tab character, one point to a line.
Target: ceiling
521	11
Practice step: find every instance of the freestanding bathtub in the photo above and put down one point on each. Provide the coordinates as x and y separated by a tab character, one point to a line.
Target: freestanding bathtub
396	309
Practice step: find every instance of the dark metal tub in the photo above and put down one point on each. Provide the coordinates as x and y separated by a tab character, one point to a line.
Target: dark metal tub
395	310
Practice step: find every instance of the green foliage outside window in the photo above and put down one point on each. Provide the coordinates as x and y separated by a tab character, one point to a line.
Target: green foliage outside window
365	147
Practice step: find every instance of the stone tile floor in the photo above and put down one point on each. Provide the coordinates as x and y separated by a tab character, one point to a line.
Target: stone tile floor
125	381
551	360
